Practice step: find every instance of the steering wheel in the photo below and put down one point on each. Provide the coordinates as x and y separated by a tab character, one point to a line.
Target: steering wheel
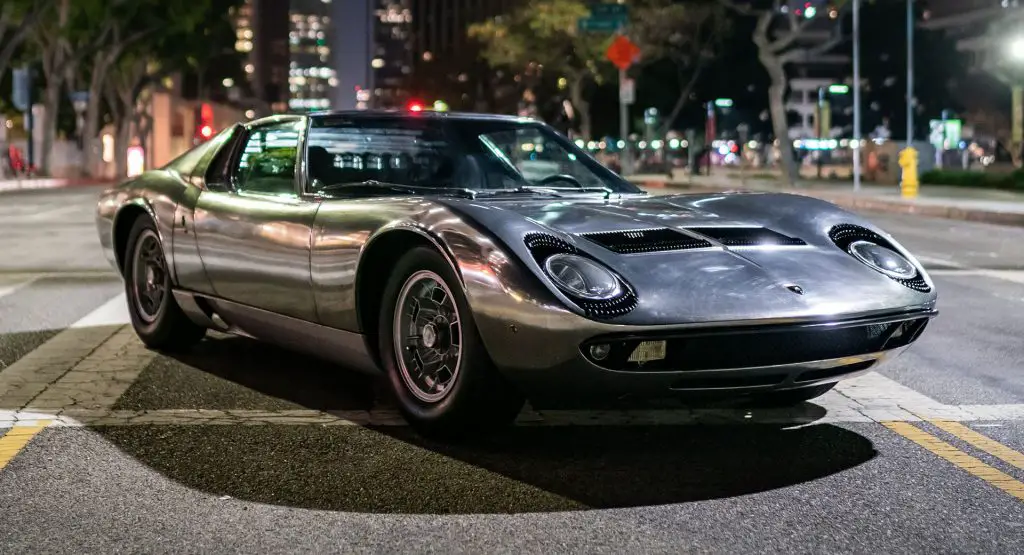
561	177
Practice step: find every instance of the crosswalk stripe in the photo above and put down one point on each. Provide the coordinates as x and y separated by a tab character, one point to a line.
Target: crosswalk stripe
99	380
112	313
17	283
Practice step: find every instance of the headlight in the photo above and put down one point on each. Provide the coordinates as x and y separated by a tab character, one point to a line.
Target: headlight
887	261
582	277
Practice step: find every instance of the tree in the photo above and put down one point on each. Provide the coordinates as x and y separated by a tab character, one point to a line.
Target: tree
777	36
542	36
1007	67
113	27
685	34
178	36
17	18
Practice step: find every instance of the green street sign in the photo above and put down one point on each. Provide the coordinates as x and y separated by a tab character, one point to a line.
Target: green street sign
616	11
838	89
600	24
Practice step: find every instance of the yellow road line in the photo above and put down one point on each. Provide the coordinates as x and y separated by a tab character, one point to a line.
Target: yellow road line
984	443
958	458
16	439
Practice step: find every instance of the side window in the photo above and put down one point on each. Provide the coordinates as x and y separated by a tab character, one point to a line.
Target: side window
402	153
267	163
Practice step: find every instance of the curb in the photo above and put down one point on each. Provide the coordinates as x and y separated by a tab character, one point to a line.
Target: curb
16	185
869	204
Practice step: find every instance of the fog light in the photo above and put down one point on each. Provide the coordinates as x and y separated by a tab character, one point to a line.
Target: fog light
600	351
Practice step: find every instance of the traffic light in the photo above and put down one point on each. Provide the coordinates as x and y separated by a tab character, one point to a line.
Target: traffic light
415	106
204	123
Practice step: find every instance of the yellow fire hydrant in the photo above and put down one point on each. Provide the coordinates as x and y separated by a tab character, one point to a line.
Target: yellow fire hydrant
908	161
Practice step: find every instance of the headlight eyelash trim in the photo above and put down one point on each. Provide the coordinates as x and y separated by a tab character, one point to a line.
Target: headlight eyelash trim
844	235
543	245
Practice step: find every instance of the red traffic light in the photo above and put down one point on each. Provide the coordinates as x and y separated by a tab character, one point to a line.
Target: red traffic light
415	107
206	131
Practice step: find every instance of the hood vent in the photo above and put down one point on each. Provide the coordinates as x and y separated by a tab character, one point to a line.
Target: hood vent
747	236
646	240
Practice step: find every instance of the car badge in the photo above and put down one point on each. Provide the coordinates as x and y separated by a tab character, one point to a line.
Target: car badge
796	289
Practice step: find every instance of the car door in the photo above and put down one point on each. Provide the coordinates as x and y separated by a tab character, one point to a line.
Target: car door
254	230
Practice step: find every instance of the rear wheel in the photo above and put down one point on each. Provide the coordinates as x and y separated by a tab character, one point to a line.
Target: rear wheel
789	398
156	317
442	377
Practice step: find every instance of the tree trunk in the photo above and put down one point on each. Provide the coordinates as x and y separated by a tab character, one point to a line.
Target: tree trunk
121	142
51	105
684	97
581	105
780	120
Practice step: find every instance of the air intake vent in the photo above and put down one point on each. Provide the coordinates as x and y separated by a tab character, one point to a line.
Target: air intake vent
543	245
646	240
747	236
843	235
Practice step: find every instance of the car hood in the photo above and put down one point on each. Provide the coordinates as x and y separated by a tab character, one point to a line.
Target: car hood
723	283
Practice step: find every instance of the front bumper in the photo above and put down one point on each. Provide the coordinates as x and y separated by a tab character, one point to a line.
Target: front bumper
727	361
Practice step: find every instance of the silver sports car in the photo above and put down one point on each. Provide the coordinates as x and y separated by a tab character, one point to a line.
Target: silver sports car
476	260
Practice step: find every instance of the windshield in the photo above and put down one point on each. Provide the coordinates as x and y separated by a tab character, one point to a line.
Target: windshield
478	154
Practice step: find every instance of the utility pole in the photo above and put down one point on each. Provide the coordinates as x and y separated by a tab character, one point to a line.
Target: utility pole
910	73
856	95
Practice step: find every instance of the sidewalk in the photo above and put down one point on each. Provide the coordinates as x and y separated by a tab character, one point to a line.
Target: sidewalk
955	203
34	183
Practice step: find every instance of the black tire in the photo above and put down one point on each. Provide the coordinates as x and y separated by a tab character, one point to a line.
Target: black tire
169	329
791	397
479	399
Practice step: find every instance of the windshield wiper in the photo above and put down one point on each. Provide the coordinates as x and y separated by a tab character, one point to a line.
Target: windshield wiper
409	189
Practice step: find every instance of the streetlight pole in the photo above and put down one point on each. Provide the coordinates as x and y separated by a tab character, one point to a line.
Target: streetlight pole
856	95
910	73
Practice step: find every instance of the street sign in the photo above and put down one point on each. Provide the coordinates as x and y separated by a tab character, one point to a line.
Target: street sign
627	91
603	25
623	53
604	18
21	95
723	102
601	9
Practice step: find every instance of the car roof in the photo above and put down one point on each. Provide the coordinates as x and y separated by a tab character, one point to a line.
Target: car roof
417	115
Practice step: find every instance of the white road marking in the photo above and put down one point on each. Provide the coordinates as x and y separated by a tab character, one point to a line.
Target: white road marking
52	214
8	286
112	313
925	259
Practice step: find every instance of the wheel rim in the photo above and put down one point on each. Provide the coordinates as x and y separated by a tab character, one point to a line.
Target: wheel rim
428	337
149	273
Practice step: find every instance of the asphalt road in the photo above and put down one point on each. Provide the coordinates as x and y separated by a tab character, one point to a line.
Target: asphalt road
241	447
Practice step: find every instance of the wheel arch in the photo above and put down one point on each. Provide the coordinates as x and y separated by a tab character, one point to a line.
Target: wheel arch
124	220
382	251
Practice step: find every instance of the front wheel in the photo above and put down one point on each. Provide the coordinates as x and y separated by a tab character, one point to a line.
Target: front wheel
156	317
443	378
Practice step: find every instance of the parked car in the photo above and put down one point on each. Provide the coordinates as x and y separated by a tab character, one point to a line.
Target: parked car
476	260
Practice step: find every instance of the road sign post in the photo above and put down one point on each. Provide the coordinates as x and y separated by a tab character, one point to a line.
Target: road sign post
623	53
22	99
607	18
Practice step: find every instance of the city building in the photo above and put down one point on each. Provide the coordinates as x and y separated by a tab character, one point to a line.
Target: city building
399	49
261	28
311	73
288	54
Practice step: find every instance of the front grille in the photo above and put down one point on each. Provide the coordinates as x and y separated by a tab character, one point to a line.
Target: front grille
747	236
844	235
764	346
543	245
646	240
